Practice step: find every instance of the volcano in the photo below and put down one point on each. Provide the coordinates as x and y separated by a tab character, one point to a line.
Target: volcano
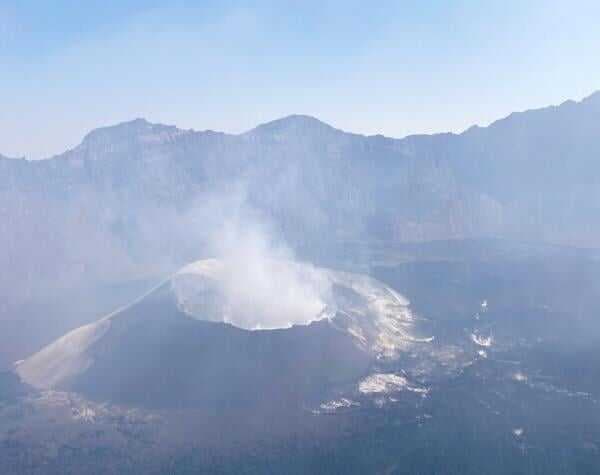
211	336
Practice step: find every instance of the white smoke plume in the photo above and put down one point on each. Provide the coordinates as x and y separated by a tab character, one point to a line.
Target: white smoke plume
262	284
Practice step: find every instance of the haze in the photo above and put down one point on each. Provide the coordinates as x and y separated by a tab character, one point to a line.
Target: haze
233	241
392	68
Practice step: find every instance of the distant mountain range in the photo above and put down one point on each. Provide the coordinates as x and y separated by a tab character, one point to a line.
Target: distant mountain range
129	199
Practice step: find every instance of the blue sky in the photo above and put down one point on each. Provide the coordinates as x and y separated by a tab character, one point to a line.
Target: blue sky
394	68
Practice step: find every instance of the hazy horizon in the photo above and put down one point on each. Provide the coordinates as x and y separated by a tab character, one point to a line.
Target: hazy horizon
289	116
389	69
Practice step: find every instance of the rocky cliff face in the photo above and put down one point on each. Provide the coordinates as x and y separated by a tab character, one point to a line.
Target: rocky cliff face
126	199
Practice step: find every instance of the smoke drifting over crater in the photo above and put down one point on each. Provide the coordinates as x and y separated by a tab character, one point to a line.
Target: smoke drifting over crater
255	276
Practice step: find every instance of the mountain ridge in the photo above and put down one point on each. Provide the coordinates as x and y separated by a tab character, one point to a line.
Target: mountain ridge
295	121
132	200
